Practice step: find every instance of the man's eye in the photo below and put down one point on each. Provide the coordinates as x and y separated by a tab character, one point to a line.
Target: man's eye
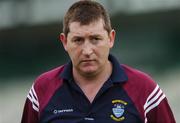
95	40
78	40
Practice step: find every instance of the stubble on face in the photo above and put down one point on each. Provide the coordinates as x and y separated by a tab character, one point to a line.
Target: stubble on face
95	58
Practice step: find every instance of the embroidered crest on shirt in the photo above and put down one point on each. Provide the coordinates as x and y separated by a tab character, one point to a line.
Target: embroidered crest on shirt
118	110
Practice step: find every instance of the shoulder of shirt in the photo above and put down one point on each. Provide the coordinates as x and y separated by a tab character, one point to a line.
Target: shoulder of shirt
138	78
49	76
140	87
146	95
46	84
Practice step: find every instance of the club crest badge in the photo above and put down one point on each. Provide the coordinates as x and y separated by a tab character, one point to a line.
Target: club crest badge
118	110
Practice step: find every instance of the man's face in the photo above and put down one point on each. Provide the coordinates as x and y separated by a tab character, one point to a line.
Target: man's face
88	47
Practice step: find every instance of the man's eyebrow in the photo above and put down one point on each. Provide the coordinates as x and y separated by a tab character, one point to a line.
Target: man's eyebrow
91	36
77	36
95	35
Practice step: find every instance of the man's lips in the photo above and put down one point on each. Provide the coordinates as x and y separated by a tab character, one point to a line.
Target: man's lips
88	60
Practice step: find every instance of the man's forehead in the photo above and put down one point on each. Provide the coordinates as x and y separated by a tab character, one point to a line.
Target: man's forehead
96	28
87	34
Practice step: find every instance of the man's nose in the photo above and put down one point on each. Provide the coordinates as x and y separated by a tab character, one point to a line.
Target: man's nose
87	48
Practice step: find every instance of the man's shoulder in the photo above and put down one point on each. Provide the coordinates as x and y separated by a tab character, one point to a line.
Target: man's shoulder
51	77
51	74
46	84
142	89
137	76
138	81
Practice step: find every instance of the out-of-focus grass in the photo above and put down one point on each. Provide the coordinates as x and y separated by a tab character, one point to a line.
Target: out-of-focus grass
14	91
12	97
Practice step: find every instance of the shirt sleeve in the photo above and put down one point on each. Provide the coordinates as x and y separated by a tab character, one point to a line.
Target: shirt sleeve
157	109
31	108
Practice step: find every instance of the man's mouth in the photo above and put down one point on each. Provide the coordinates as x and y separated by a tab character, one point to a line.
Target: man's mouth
88	60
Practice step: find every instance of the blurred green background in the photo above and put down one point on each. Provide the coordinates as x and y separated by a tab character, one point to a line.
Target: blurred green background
148	38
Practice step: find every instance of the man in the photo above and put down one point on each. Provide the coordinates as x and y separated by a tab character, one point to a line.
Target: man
94	87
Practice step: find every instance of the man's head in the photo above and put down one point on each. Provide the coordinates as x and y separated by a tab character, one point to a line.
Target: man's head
88	37
86	12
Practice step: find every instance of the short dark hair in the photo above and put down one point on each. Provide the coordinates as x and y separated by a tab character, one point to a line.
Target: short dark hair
86	12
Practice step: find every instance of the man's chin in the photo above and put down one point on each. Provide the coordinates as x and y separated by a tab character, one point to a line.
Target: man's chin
89	73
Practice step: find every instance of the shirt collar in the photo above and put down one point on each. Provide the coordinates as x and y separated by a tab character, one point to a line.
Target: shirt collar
118	74
67	72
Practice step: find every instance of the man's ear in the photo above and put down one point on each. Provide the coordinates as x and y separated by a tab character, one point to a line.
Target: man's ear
112	35
63	39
